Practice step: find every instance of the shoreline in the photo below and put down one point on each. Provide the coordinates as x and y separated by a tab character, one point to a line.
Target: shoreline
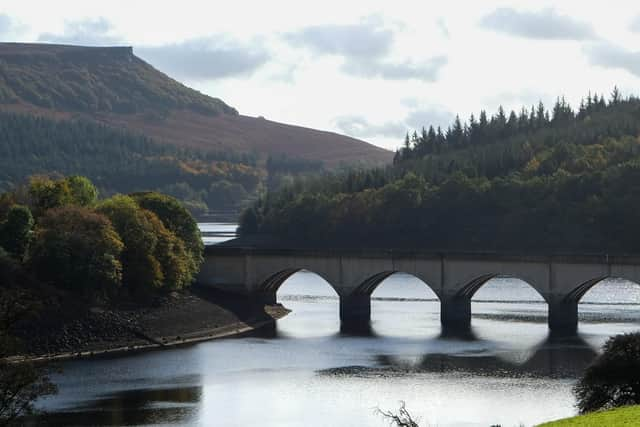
233	330
194	316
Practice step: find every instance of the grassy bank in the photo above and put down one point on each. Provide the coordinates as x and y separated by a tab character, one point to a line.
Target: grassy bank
626	416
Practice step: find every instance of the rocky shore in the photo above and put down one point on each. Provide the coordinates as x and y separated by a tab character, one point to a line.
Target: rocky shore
69	330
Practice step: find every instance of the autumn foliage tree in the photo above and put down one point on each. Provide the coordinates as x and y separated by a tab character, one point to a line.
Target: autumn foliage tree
78	249
154	257
146	242
178	221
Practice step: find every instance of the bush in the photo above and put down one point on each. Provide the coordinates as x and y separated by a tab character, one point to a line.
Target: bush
613	380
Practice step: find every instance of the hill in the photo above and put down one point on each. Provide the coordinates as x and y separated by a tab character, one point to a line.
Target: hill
114	87
542	180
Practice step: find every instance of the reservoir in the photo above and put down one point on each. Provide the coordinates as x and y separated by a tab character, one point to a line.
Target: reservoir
509	371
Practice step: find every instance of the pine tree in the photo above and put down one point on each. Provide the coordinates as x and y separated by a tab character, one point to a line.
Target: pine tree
615	96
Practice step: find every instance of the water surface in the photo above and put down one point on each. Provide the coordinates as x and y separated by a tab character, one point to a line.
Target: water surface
508	372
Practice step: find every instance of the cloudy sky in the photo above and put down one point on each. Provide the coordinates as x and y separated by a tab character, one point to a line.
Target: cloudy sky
370	69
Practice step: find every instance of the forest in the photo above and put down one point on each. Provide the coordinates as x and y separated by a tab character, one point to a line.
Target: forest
559	179
122	162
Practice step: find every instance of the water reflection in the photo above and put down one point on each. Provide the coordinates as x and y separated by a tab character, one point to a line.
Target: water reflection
132	407
552	358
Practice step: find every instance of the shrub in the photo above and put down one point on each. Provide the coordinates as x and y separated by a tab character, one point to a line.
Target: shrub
614	378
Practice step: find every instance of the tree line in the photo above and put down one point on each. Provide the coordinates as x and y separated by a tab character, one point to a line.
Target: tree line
500	126
560	180
123	246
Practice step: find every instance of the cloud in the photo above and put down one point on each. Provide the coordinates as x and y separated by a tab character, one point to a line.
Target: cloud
611	56
5	24
442	26
427	70
635	25
358	126
88	32
429	117
546	24
10	28
206	58
517	98
367	39
365	47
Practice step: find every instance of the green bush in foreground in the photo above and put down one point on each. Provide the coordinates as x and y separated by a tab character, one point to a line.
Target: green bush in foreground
613	380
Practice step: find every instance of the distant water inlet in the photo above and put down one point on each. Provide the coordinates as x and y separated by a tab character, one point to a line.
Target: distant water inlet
217	232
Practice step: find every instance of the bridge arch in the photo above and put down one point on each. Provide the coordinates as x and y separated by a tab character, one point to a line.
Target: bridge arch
563	313
404	304
470	289
268	287
455	313
582	289
355	306
369	285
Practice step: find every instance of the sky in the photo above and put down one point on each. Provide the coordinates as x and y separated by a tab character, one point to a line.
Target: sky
369	69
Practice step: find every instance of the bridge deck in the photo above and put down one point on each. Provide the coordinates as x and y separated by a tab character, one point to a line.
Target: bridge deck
245	246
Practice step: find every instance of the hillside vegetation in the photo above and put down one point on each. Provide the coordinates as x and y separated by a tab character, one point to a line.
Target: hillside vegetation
539	180
112	86
121	162
89	79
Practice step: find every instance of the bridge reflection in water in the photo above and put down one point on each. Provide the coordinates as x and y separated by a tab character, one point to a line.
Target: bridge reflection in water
553	357
560	280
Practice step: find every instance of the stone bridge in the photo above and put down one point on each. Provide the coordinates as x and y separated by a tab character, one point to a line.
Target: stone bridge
561	280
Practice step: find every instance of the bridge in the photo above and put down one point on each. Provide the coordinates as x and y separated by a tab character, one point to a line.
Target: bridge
561	280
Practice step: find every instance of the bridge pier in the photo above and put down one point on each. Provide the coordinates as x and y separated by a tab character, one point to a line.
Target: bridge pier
563	317
455	314
355	313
